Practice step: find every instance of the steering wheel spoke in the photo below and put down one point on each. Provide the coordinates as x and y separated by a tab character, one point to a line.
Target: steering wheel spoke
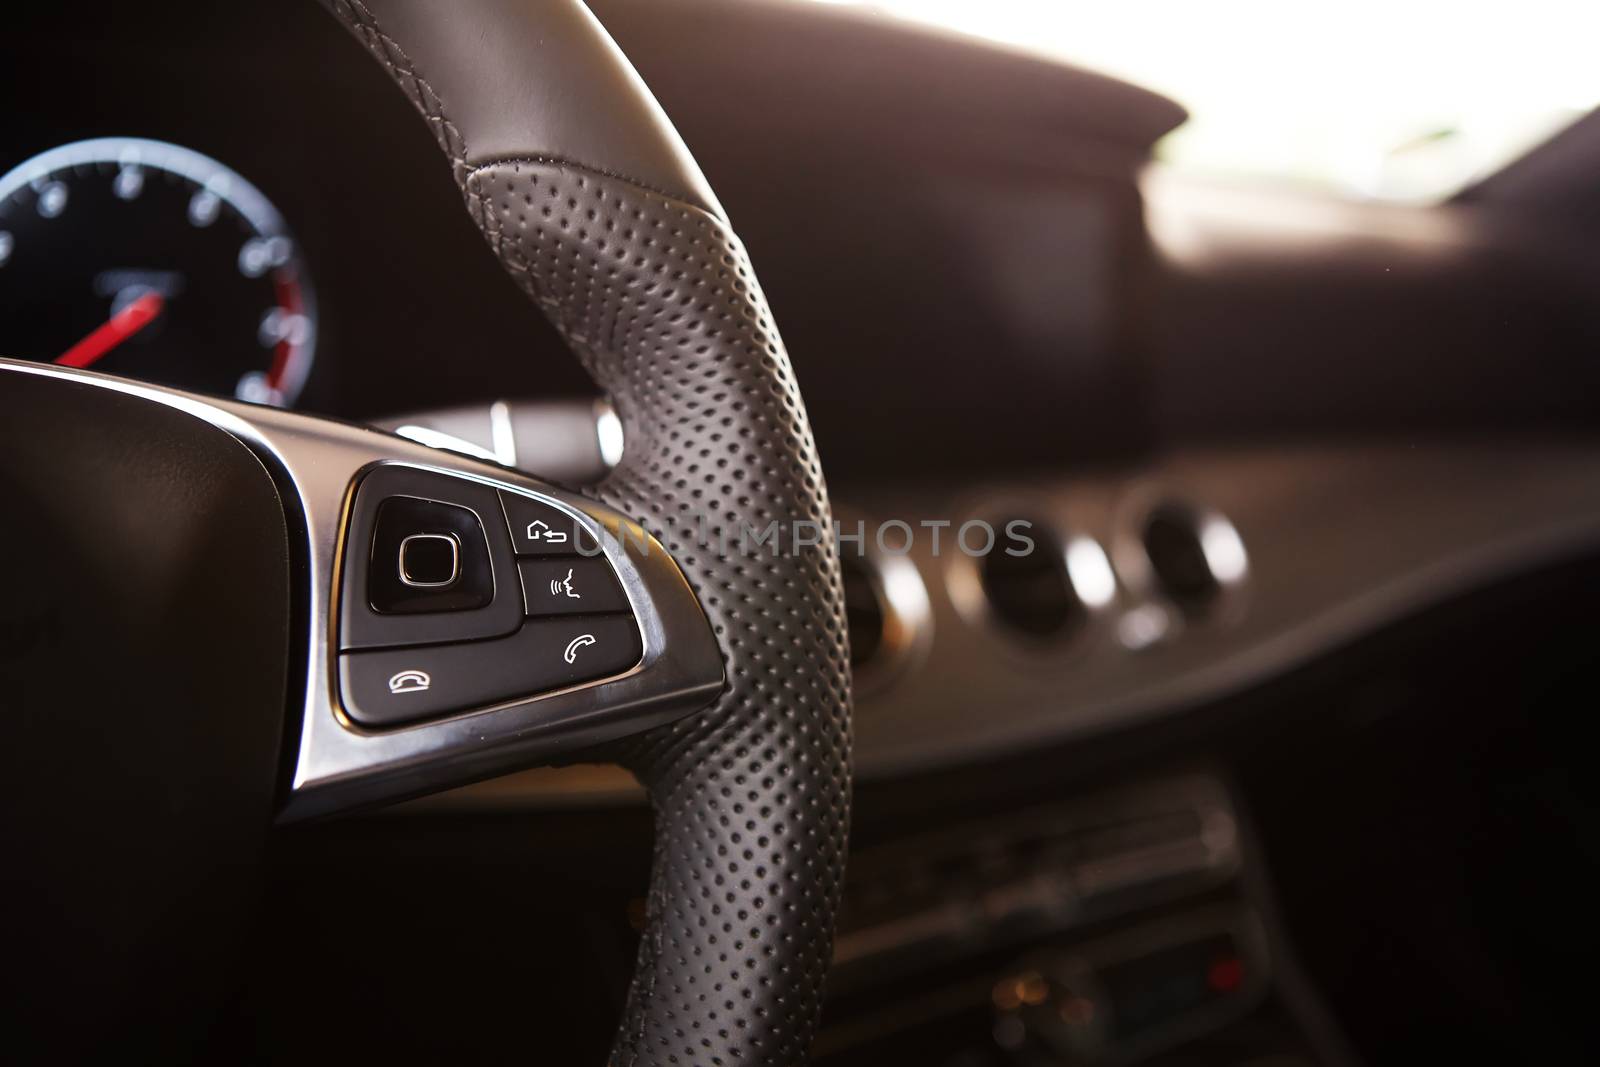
455	619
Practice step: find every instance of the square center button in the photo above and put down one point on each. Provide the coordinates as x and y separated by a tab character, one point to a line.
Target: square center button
575	585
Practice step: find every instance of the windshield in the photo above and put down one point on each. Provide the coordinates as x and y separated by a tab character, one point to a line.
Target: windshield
1407	100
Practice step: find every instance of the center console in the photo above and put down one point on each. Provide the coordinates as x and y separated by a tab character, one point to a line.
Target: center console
1122	926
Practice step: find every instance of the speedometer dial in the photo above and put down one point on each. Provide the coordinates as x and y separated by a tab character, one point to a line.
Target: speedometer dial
142	258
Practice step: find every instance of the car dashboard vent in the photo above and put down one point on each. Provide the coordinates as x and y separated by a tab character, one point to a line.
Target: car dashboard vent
1032	593
863	609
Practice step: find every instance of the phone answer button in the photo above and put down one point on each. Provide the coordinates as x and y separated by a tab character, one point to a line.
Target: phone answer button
400	686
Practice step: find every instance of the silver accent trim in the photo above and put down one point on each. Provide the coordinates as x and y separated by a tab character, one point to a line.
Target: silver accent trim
502	434
608	431
1090	572
338	764
431	438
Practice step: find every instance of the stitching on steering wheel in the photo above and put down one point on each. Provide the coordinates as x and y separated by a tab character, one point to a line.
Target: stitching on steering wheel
752	795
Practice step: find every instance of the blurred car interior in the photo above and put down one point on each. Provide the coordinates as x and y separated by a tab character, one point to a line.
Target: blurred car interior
1275	758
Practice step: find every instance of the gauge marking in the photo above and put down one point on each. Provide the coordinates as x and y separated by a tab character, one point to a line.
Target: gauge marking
128	183
52	200
203	208
167	265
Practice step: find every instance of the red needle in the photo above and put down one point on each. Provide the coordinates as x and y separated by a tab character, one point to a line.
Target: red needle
111	333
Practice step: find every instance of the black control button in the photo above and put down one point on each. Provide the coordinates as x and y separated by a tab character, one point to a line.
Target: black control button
427	556
430	561
387	592
405	685
576	585
537	529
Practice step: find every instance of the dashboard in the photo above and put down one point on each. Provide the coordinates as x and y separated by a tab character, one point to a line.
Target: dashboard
968	238
398	273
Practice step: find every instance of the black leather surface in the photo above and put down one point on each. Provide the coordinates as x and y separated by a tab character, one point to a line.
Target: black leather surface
657	297
529	79
144	638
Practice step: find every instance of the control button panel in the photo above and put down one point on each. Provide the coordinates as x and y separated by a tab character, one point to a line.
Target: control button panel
440	615
575	585
427	556
539	529
404	685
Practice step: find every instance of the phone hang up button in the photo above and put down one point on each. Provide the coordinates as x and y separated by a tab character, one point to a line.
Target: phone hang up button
397	687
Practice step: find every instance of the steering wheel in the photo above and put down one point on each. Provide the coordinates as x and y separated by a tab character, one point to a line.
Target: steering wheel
222	617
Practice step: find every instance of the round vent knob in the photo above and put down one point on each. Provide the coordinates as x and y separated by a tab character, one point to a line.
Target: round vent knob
887	611
863	610
1193	555
1032	593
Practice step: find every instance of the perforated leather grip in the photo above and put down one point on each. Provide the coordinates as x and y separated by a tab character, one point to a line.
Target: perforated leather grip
586	194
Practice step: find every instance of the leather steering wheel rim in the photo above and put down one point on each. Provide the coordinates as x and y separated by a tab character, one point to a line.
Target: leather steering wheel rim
591	202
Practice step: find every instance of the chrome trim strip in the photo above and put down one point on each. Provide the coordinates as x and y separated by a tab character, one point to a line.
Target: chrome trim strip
503	434
431	438
608	431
